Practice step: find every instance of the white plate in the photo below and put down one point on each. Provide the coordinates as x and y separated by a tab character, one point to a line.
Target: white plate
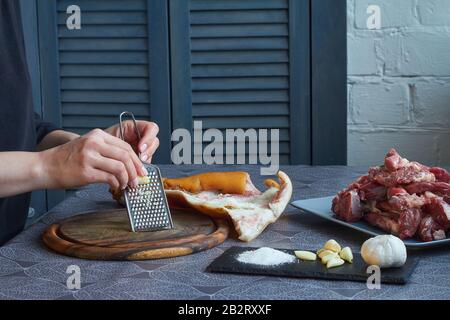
322	207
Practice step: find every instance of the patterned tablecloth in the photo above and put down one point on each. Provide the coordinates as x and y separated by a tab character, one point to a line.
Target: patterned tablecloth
29	271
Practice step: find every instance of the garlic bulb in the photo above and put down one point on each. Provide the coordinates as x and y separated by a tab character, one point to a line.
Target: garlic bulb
385	251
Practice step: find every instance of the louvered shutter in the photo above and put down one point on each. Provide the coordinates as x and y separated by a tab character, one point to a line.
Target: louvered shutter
234	64
103	66
240	66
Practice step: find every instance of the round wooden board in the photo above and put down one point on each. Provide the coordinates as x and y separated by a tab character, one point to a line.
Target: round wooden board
107	235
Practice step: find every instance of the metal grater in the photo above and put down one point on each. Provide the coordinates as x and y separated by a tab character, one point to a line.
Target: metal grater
147	203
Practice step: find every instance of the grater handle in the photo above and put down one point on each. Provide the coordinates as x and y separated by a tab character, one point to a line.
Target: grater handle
131	115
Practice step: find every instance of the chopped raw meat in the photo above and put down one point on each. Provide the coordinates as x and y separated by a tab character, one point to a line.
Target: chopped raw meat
358	183
405	226
405	175
439	210
430	230
372	191
402	197
429	195
385	223
441	174
394	161
347	206
395	191
405	201
409	222
439	188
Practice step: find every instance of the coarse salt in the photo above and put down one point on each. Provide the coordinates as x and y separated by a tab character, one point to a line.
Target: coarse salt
265	257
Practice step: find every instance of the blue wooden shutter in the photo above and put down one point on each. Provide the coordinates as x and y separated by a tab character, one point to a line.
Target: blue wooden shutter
117	61
103	66
233	64
247	65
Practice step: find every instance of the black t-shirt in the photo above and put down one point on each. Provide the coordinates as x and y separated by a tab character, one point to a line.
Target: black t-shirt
20	128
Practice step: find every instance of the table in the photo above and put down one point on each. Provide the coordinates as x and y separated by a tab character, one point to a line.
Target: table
29	271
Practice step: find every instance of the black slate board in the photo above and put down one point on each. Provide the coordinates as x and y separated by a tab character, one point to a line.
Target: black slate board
228	263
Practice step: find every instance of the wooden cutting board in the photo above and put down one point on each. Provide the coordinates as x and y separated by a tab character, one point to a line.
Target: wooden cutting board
107	235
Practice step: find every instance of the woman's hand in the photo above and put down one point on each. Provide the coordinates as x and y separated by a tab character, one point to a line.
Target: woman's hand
148	144
96	157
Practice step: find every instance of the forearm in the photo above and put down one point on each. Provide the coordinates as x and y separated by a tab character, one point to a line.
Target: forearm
56	138
20	172
96	157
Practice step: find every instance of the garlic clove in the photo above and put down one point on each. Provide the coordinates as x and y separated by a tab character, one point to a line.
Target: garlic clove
346	254
324	252
336	262
329	257
333	246
305	255
143	180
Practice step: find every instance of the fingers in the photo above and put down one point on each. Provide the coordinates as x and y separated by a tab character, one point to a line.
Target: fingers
117	162
106	177
147	145
148	154
104	158
128	151
149	142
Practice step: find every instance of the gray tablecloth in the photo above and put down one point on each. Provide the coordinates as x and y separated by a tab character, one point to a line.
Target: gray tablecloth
29	271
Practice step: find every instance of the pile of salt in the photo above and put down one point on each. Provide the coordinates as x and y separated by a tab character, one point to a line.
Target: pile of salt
265	257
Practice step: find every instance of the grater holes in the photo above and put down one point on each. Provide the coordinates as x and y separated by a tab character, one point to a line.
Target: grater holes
147	205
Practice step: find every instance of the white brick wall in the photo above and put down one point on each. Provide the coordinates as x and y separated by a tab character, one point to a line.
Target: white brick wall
399	81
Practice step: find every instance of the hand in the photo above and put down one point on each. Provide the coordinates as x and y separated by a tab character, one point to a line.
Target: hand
148	144
56	138
96	157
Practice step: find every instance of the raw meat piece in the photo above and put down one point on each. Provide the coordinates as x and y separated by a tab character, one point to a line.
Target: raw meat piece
429	195
409	222
441	174
347	205
385	223
358	183
372	191
413	172
394	161
405	226
447	199
439	188
402	202
430	230
395	191
439	210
